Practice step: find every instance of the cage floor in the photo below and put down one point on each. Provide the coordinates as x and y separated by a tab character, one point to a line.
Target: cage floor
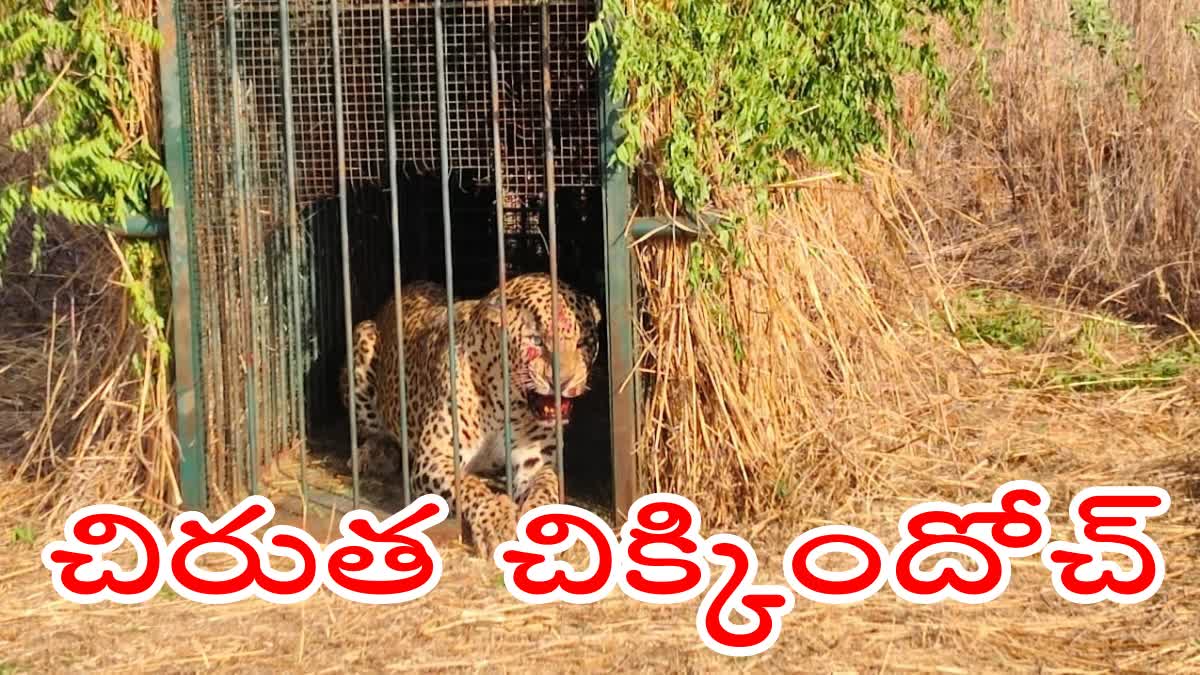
314	493
329	479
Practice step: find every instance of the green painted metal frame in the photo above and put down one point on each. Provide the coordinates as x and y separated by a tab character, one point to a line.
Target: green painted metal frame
177	144
621	300
139	226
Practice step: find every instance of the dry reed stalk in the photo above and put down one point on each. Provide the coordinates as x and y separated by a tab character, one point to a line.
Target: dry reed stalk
142	63
1096	188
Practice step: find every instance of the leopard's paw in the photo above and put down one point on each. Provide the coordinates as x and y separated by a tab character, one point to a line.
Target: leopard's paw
490	523
378	456
542	490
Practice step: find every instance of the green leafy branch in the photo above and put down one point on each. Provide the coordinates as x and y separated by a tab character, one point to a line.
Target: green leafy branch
1095	25
66	68
753	84
725	96
147	281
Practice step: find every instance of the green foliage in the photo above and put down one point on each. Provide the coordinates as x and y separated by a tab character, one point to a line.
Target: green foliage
720	246
147	280
1158	369
1095	25
752	84
1095	366
23	534
1192	28
65	66
984	316
1097	332
997	319
730	94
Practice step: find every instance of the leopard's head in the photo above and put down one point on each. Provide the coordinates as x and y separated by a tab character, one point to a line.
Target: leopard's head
531	348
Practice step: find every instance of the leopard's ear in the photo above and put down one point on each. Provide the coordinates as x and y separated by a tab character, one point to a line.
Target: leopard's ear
491	307
595	309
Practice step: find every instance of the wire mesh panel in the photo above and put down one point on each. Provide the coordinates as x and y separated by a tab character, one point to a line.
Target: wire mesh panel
271	291
415	90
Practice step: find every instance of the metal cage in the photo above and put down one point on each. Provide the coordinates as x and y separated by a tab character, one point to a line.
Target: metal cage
324	153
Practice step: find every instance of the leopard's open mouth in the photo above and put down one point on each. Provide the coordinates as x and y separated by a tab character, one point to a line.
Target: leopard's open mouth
543	407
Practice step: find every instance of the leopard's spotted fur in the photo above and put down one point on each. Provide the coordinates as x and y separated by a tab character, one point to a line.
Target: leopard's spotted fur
376	364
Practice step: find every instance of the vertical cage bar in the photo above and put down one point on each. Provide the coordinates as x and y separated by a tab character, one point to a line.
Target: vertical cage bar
293	239
242	232
620	297
185	289
439	38
394	194
552	225
252	422
339	125
498	178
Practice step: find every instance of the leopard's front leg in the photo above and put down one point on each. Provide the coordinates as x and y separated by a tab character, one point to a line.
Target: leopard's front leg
542	489
490	517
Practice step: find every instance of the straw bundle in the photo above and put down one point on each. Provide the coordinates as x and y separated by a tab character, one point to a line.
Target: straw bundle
753	385
85	399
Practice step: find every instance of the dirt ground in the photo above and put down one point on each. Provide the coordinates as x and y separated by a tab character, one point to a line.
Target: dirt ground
1038	412
470	623
1066	441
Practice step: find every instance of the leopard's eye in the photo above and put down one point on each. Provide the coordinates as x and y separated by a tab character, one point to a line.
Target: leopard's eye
536	341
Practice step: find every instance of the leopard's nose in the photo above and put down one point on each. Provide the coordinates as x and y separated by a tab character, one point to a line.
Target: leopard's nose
566	388
573	385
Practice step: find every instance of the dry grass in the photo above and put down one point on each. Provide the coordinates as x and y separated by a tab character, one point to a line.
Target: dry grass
981	431
85	397
78	419
823	382
1063	186
1079	179
142	63
754	383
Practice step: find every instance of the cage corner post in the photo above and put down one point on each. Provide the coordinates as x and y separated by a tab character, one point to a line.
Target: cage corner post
185	310
620	298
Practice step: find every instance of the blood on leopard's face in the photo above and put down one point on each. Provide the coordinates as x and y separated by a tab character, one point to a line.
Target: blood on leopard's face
542	405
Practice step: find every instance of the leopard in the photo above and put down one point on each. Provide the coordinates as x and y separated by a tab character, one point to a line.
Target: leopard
525	316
